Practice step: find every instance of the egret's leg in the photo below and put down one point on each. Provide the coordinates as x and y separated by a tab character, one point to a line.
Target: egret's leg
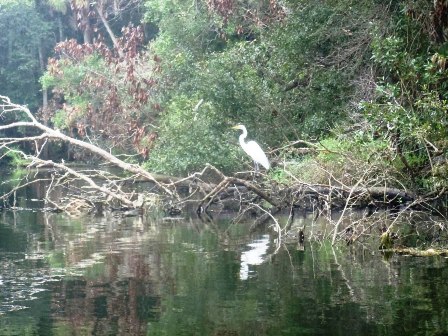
256	167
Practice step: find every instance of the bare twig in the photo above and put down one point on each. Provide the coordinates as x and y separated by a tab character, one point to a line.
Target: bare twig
48	133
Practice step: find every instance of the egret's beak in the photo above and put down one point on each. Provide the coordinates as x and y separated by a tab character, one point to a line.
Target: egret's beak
235	127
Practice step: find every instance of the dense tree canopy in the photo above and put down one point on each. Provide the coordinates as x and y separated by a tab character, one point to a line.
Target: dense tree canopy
165	80
25	32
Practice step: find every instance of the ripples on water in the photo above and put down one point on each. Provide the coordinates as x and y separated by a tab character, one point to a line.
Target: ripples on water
17	285
130	276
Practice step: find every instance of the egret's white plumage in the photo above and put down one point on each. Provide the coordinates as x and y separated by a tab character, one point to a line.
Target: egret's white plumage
253	149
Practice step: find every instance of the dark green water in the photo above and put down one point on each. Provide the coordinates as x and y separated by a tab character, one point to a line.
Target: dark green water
128	276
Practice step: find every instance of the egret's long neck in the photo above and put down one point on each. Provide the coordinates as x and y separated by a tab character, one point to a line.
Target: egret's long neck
243	137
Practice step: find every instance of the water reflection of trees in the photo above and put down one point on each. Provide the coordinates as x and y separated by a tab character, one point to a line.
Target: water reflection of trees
355	287
135	276
111	286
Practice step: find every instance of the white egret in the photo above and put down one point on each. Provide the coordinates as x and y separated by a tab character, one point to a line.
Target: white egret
253	149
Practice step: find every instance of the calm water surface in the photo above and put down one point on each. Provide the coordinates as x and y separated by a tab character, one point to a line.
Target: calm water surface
129	276
109	275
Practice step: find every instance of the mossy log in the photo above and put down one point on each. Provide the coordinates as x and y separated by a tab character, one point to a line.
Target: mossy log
306	196
416	252
359	195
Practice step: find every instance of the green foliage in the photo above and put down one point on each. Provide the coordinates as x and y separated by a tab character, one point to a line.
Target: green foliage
47	80
11	3
105	91
14	158
59	5
411	105
71	84
24	31
190	138
60	119
74	79
245	75
296	72
311	47
342	159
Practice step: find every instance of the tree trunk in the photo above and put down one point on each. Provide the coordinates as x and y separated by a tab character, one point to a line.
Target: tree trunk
60	28
45	112
86	26
109	30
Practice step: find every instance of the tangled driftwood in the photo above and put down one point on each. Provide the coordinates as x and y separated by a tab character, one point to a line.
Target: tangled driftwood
266	197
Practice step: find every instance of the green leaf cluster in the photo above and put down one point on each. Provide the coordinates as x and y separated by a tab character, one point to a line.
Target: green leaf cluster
72	84
410	108
246	77
191	136
24	31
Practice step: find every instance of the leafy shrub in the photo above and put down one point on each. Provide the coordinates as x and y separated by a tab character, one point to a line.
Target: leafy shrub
190	137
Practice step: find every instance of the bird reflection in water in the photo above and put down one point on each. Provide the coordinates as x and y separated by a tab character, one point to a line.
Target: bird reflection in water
255	256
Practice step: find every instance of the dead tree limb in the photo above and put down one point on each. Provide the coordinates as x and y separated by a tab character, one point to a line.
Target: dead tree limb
48	133
117	195
235	181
